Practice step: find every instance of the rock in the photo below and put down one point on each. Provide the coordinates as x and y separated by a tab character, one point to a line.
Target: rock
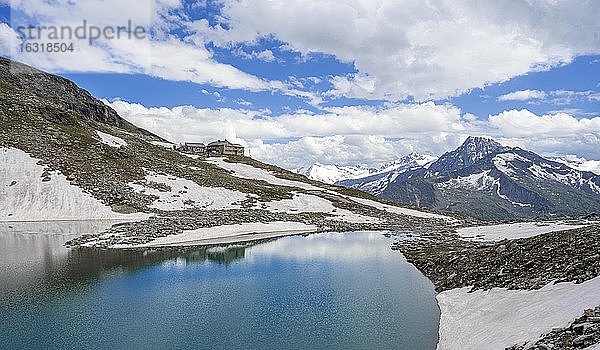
580	328
527	263
582	340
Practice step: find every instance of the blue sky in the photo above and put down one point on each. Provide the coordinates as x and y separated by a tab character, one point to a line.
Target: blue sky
292	79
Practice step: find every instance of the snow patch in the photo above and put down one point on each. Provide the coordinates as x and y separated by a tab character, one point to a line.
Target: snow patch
480	182
514	231
301	203
571	177
505	197
246	171
499	318
400	210
230	234
25	197
162	144
186	194
111	140
307	203
502	162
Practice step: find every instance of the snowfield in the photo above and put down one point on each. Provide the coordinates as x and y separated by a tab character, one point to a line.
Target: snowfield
230	234
162	144
186	194
26	197
514	231
301	203
398	210
308	203
111	140
479	181
499	318
246	171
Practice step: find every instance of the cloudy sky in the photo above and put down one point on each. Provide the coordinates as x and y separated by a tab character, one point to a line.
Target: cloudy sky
344	81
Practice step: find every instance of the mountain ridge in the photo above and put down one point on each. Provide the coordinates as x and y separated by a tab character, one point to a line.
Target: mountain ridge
334	173
487	180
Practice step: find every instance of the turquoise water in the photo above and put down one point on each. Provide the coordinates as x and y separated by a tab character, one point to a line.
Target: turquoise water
324	291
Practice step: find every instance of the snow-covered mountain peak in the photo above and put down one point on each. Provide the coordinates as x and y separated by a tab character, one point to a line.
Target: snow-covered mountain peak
411	160
470	152
333	173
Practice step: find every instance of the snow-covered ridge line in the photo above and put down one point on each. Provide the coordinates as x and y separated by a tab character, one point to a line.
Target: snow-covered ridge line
332	173
499	318
30	193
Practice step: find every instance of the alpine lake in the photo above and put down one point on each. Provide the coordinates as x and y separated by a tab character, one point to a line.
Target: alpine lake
320	291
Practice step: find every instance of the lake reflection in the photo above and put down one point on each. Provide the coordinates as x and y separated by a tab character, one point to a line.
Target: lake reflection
344	291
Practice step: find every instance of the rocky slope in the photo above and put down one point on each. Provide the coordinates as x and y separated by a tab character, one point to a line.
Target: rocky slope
527	263
489	181
522	293
65	143
581	334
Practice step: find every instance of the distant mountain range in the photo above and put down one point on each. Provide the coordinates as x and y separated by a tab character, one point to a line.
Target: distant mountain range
377	182
489	181
334	173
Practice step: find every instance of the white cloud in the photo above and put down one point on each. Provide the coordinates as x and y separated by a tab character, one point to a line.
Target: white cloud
523	123
8	38
565	97
358	134
584	145
394	120
158	54
338	149
555	134
554	97
364	134
430	49
264	55
522	95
